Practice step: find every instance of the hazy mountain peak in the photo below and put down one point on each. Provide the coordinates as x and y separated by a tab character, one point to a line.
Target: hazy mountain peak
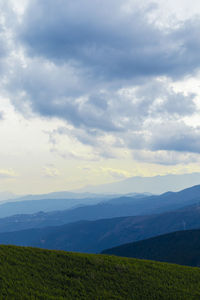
155	185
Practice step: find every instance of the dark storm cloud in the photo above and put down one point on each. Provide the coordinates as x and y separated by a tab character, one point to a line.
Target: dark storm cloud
108	42
2	45
4	50
56	91
167	158
177	137
166	136
107	71
1	115
158	98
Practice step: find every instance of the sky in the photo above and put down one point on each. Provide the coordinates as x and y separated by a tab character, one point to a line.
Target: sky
93	91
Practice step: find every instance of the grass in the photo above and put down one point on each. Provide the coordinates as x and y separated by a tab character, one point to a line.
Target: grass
31	273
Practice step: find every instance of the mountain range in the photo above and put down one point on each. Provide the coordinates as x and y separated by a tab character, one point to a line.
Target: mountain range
28	206
95	236
53	212
182	247
154	185
111	223
131	185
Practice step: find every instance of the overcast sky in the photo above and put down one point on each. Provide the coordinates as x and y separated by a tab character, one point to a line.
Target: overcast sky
94	91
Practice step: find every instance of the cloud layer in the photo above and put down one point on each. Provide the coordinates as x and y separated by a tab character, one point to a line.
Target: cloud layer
108	41
107	71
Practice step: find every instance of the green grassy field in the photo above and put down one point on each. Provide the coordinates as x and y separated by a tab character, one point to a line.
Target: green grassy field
31	273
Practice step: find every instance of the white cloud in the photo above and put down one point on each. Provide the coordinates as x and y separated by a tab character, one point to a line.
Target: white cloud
7	173
116	173
51	172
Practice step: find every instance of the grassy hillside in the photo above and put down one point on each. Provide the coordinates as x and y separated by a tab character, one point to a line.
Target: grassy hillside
30	273
181	247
